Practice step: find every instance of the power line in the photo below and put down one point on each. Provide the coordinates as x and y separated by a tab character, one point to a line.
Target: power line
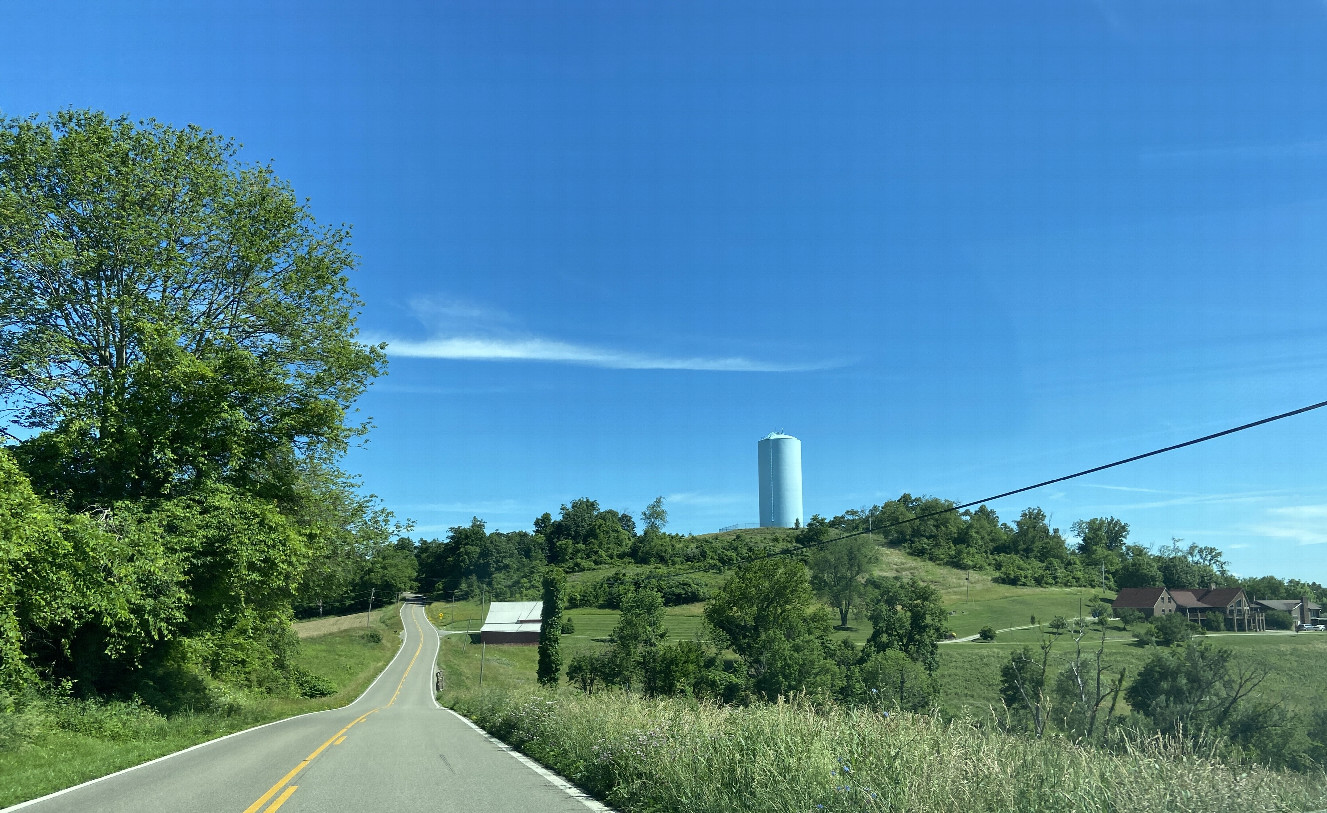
1084	472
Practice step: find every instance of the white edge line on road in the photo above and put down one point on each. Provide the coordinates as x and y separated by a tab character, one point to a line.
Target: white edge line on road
62	792
558	781
553	778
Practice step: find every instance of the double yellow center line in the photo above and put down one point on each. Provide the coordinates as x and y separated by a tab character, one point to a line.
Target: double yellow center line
335	739
262	800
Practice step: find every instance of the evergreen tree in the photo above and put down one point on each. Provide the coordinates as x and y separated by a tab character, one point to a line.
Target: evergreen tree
550	630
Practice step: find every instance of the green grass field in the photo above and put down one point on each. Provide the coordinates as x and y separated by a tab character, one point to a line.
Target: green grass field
56	744
970	672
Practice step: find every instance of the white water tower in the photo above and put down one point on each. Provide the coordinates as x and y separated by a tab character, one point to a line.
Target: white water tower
780	481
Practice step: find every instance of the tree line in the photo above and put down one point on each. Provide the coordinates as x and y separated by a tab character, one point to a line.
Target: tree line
1031	553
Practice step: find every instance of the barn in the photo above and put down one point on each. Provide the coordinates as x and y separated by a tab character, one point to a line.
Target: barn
512	622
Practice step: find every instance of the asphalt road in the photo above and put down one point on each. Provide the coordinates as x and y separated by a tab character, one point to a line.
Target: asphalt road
393	749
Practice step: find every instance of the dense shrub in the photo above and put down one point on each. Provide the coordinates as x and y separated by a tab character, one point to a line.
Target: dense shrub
608	592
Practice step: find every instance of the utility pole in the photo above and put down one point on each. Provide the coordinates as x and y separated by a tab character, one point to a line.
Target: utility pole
369	615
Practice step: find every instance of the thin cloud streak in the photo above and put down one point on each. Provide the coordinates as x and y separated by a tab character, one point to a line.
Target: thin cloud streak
1193	499
1302	524
471	348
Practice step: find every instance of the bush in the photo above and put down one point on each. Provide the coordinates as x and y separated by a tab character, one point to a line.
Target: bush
568	627
987	633
1172	628
1280	620
1214	621
310	685
1129	616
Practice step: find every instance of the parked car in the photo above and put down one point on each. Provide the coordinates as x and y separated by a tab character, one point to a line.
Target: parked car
1312	628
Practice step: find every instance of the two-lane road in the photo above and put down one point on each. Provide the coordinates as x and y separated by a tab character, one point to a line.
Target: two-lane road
393	749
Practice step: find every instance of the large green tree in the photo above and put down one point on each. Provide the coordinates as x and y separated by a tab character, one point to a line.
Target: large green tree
908	615
169	316
839	569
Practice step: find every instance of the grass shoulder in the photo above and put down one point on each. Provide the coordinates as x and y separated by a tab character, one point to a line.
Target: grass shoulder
52	743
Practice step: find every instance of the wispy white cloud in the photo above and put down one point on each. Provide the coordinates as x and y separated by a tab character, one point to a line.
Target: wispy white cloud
483	348
1301	524
466	331
1128	488
1193	499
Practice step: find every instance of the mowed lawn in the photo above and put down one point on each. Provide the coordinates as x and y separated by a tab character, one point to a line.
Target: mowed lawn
970	672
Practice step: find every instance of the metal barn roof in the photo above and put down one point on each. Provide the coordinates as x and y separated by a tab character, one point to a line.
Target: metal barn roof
514	616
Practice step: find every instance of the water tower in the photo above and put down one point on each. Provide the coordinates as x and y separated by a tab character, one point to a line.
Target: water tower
780	481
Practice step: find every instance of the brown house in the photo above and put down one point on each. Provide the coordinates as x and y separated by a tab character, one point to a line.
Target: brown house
1149	601
1229	601
1195	604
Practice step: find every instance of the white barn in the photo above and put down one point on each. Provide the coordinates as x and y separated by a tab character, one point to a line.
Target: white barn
512	622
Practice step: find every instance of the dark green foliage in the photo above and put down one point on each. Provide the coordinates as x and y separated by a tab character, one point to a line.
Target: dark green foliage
907	615
1195	689
766	612
584	536
587	671
671	669
503	565
178	349
233	355
1270	587
1194	566
987	633
1023	685
839	570
1172	628
310	685
1279	620
1139	569
609	592
636	638
550	628
655	516
891	681
1129	616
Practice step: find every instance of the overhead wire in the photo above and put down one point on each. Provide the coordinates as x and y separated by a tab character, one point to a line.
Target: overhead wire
955	508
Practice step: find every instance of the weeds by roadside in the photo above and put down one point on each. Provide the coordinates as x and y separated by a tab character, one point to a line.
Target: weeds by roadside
640	754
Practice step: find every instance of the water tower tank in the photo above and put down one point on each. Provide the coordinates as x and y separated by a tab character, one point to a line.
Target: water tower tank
780	481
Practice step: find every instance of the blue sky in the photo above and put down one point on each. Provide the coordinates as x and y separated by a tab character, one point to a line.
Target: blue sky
956	248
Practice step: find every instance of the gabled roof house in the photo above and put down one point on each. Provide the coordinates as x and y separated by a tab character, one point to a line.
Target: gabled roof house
1148	600
1194	604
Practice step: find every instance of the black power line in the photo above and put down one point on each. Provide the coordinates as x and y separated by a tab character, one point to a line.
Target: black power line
1093	470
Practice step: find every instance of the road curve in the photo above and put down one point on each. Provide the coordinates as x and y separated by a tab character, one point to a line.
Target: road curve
392	749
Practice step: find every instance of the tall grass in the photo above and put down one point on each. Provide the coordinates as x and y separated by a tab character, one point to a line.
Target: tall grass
675	755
